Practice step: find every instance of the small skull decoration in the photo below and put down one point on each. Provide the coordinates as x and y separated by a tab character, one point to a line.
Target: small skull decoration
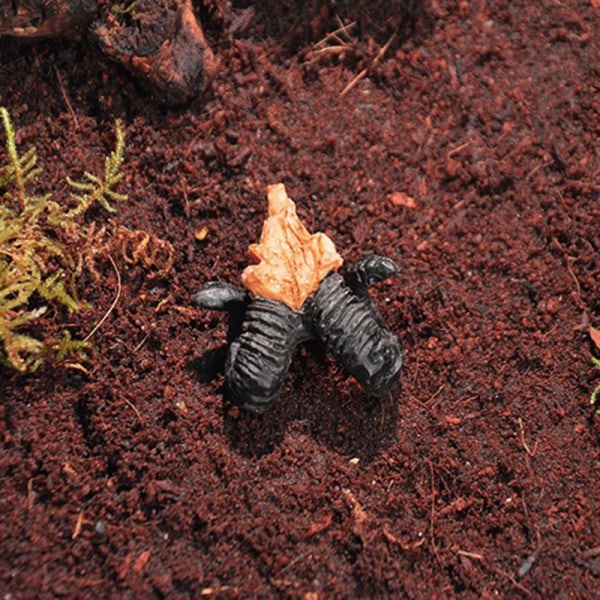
292	294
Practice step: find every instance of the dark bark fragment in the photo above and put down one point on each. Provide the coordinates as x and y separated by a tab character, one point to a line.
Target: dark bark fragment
163	44
45	18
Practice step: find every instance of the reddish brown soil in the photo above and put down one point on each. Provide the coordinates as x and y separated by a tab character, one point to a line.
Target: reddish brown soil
479	475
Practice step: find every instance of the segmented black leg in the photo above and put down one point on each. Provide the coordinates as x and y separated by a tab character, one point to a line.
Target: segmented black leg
354	334
260	357
369	270
216	295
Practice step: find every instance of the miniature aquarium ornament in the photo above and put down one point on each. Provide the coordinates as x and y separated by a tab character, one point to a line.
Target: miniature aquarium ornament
293	294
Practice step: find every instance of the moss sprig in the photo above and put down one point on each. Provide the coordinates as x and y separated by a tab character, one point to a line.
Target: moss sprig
100	190
20	169
36	264
596	393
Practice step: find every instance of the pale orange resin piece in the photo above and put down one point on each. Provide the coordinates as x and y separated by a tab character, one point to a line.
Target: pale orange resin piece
291	262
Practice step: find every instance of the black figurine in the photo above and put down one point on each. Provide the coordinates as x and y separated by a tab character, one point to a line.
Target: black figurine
338	311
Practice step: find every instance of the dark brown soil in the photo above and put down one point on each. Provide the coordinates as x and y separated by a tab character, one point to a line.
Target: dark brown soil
479	475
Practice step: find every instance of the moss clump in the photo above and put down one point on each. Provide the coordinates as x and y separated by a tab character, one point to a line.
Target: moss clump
40	241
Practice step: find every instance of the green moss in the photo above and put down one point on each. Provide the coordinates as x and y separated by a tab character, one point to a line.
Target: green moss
117	9
40	241
100	190
596	393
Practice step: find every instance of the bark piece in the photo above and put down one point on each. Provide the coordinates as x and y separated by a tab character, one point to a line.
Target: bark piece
163	44
45	18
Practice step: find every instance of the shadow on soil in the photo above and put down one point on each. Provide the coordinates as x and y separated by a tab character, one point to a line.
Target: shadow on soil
346	419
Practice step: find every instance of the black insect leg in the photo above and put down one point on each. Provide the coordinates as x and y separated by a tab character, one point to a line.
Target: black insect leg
260	357
354	334
226	297
221	296
368	271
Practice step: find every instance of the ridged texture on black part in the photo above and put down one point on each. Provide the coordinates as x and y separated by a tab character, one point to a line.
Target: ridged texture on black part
260	357
354	334
369	270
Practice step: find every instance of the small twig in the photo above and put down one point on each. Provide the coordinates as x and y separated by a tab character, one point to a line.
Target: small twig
186	198
390	537
30	495
330	50
583	184
63	92
524	443
364	72
320	48
76	367
570	261
456	150
345	29
334	34
536	169
135	410
474	555
429	403
78	526
140	344
519	586
112	306
360	76
217	592
163	302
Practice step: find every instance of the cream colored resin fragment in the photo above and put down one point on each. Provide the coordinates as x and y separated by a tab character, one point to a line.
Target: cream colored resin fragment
291	262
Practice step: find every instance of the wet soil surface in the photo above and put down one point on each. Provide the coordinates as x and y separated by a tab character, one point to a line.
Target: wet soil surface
479	475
